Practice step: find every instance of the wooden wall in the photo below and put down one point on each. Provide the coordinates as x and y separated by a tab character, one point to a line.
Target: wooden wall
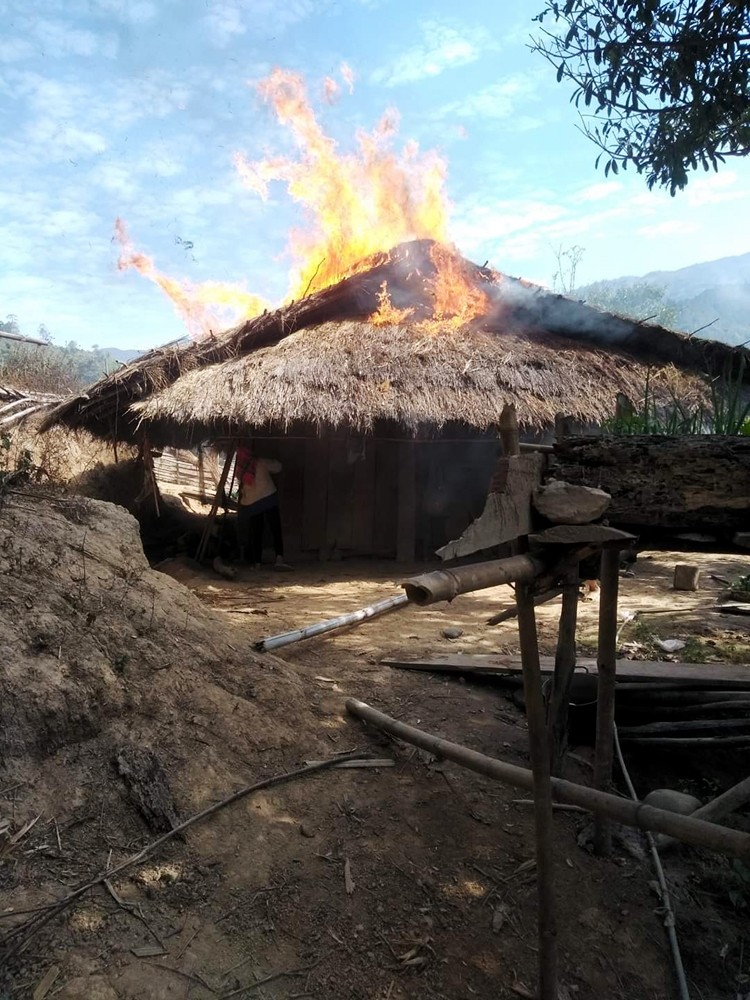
377	496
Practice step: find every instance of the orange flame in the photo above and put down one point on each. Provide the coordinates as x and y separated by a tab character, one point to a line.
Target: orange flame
358	204
204	308
457	296
387	314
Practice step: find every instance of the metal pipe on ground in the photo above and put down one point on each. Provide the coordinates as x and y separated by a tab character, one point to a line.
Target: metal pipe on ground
320	628
445	584
697	833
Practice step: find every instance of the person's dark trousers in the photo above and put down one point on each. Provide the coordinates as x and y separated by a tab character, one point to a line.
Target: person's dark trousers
250	525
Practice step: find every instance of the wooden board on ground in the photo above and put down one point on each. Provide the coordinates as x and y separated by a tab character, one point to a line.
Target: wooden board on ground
736	675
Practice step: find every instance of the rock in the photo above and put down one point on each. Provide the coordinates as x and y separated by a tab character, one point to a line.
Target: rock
306	831
742	538
564	503
672	801
452	632
671	645
686	576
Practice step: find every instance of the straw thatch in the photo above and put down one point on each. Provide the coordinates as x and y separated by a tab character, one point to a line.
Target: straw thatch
319	360
353	374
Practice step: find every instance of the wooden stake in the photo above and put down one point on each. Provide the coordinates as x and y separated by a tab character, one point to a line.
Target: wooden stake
606	665
203	545
508	427
565	665
539	752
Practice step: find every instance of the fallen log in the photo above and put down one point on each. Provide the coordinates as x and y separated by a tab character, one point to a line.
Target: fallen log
692	831
697	483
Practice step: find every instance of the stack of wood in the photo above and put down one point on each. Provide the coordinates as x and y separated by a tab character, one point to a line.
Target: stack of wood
17	404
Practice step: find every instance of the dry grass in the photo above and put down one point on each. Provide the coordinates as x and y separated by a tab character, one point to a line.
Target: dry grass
354	374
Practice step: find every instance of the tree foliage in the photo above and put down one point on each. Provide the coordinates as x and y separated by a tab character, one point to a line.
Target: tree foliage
661	86
638	300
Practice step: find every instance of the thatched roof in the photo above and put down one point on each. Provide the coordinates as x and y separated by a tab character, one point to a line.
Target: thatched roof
322	360
352	374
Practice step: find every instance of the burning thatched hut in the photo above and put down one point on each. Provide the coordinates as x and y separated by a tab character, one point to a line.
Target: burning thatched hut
381	394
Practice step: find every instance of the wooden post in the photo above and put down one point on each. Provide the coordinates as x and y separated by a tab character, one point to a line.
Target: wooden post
606	665
203	544
508	428
407	503
539	752
565	665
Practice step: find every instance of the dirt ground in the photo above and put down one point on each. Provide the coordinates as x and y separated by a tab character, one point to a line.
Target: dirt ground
412	881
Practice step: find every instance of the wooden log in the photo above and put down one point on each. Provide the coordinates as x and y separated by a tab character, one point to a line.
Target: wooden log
565	665
724	805
697	483
688	830
508	428
607	678
540	765
446	584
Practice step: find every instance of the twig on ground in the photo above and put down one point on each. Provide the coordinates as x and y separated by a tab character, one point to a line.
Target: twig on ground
22	934
268	979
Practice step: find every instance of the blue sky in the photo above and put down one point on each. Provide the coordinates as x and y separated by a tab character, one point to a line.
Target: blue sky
135	108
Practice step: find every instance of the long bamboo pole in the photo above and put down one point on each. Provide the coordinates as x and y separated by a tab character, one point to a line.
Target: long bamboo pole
606	665
320	628
543	823
203	544
696	832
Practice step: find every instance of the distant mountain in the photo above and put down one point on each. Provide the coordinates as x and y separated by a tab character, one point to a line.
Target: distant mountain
716	292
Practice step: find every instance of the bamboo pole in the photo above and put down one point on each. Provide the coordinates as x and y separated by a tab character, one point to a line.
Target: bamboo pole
512	612
565	666
203	544
446	584
543	823
692	831
606	665
723	805
320	628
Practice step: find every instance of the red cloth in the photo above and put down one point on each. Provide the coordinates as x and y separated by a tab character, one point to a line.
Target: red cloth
246	466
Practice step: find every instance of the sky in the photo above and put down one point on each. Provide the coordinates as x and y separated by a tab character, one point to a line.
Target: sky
136	109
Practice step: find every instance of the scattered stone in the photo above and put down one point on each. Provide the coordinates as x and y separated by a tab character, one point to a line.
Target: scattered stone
306	831
670	645
452	632
564	503
686	576
673	801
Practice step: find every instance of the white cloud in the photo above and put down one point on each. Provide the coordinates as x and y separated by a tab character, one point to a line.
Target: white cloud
671	227
443	47
497	101
228	19
127	11
714	188
57	39
15	49
599	192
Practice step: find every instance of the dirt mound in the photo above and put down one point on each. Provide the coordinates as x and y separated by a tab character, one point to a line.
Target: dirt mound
99	649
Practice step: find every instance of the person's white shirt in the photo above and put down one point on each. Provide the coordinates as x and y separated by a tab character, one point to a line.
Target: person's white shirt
263	485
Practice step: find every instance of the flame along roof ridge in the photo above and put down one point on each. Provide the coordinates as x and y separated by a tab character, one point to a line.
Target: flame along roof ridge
407	271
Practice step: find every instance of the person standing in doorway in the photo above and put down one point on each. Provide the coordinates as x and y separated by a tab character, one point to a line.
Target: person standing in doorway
258	506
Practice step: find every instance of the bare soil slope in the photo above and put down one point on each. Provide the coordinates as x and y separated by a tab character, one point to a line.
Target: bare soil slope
101	653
